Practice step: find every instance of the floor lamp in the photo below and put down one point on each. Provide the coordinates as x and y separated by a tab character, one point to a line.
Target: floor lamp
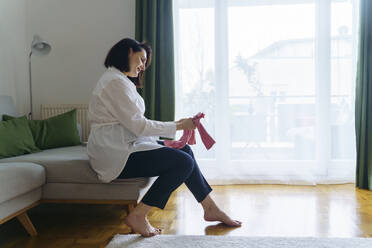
38	47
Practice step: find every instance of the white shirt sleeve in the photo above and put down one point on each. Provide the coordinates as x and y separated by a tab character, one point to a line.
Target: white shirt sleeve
124	104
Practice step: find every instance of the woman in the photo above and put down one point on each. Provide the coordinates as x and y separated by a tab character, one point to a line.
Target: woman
123	143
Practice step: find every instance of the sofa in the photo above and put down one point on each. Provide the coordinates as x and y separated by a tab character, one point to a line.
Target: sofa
59	175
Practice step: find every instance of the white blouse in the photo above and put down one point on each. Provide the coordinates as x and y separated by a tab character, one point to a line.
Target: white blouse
118	125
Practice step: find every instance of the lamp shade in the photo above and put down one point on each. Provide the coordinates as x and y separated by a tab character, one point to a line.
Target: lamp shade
39	46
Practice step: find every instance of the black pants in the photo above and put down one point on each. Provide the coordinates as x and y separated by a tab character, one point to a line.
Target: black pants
173	166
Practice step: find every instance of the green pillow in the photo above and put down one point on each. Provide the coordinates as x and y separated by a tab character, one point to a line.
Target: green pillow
16	138
56	131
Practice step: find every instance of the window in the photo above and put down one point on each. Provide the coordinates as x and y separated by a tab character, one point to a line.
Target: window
276	82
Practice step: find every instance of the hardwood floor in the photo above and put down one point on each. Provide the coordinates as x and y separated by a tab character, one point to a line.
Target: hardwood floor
266	210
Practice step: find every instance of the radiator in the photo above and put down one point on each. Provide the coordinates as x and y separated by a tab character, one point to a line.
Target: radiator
49	110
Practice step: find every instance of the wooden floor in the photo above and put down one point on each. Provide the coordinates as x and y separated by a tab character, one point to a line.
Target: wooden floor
266	210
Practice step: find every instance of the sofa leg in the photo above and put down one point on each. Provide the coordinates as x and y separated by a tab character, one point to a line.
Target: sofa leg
27	224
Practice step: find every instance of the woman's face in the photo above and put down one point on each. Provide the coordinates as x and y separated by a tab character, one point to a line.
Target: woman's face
137	62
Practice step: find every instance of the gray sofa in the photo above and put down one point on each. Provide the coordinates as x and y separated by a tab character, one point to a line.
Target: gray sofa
61	175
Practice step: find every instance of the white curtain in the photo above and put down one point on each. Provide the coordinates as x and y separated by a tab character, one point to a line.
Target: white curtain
275	79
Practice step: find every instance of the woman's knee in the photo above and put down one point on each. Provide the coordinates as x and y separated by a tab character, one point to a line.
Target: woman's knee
185	164
187	149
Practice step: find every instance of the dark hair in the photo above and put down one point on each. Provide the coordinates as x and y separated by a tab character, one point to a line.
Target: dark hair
118	57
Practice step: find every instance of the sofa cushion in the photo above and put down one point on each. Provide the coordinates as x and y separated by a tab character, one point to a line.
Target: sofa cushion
19	178
16	138
56	131
69	165
64	165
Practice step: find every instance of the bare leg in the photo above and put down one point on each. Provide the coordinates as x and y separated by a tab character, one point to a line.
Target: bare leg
137	220
213	213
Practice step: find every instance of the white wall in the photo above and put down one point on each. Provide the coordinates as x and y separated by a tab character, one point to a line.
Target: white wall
13	52
80	32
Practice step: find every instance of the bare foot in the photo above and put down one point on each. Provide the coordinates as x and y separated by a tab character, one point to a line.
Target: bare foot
215	214
141	225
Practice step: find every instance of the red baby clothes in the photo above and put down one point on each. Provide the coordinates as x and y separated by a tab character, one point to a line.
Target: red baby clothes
188	136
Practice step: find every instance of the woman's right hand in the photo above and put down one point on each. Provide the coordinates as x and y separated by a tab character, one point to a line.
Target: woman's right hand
185	124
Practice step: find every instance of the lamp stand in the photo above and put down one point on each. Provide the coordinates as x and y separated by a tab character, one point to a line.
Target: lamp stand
30	82
39	47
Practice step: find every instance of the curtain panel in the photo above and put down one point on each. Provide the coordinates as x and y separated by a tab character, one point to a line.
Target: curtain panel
363	99
154	24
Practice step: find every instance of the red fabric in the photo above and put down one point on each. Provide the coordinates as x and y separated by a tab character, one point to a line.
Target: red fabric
188	136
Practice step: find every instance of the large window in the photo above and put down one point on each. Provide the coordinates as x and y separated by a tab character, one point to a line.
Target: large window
275	79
